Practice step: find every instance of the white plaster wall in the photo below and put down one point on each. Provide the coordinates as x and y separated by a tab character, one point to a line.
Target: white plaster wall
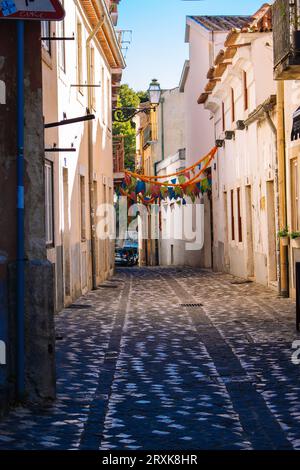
61	97
171	221
174	113
199	129
248	160
200	138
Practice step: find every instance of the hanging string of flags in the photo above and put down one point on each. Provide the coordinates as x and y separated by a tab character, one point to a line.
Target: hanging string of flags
188	182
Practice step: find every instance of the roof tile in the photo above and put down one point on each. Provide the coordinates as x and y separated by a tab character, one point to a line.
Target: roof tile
223	23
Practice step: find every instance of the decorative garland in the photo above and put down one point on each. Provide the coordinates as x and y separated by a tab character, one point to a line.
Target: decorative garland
184	183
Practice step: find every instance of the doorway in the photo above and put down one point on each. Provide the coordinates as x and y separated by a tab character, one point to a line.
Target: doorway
249	225
226	241
66	236
272	268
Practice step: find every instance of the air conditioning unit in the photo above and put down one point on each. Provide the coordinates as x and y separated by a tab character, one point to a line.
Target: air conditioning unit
240	125
229	135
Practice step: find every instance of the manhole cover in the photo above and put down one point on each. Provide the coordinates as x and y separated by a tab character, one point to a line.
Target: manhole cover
190	305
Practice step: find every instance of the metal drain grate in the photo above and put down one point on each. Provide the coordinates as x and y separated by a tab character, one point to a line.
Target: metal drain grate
190	305
108	286
241	283
79	306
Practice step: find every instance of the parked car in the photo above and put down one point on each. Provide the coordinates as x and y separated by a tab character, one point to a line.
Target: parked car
133	248
125	256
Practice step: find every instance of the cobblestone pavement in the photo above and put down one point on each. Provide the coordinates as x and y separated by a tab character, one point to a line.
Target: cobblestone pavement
137	370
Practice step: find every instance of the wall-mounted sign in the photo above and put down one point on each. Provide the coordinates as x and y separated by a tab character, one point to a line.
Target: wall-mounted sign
31	10
296	125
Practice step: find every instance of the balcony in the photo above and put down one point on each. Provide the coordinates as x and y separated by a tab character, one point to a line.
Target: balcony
286	34
118	158
147	136
114	14
150	135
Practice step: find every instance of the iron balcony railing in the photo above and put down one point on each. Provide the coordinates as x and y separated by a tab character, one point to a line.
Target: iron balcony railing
286	29
118	154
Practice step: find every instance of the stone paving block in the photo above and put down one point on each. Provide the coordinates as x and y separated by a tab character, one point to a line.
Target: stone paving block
136	370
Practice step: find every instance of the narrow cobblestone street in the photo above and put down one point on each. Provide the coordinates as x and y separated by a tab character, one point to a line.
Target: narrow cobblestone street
137	370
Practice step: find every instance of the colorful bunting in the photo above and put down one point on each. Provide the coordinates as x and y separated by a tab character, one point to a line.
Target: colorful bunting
188	183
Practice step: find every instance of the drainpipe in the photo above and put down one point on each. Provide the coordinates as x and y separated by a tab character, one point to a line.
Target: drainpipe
277	224
284	284
91	156
20	215
155	167
162	129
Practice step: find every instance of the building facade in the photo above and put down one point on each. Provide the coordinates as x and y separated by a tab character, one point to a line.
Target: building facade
286	63
145	163
80	78
160	142
242	100
205	36
72	72
27	336
170	151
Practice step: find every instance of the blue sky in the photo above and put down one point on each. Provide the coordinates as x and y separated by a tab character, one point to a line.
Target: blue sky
157	49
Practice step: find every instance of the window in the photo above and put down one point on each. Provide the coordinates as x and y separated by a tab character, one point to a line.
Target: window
245	86
295	194
79	57
102	94
93	95
46	33
240	229
232	105
104	194
82	208
61	44
49	212
223	116
108	93
232	216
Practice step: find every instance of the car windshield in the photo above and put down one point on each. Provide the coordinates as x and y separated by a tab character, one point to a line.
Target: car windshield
131	245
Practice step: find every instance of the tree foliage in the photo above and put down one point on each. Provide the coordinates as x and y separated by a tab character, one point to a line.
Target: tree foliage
128	98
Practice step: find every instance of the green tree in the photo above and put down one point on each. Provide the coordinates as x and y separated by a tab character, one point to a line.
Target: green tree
128	98
143	96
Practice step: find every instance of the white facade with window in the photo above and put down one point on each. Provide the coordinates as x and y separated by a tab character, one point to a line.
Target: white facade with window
245	213
292	141
77	77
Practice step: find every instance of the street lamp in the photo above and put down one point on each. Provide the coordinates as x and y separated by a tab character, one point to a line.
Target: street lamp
154	92
126	114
